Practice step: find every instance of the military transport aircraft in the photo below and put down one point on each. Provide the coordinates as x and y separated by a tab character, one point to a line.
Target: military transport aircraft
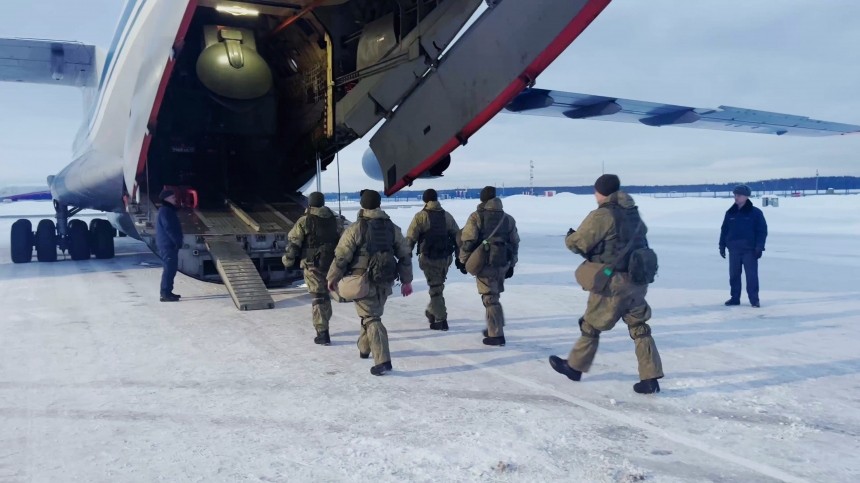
236	104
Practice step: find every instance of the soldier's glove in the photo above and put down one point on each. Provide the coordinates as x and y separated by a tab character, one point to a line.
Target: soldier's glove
510	273
723	252
460	266
758	253
290	263
570	231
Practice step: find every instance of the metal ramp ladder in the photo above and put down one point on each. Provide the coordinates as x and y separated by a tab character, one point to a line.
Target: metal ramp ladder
239	274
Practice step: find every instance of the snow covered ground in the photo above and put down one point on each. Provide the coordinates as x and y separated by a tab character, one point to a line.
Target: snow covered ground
101	382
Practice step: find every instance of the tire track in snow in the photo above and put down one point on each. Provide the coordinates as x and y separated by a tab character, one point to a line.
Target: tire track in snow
760	468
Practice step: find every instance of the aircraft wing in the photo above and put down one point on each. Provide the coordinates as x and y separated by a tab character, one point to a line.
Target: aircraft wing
24	194
48	62
571	105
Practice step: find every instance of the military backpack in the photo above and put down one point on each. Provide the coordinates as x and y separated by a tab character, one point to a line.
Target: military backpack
634	257
321	241
435	243
497	243
378	235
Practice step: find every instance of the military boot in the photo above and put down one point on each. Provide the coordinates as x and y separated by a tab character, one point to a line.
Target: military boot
561	366
381	369
439	325
733	302
169	297
322	338
647	386
496	341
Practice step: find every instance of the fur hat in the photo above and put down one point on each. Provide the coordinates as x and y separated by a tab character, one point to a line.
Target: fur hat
430	195
488	193
316	199
607	184
370	199
165	193
742	189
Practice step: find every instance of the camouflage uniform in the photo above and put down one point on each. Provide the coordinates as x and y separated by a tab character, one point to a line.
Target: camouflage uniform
314	274
491	281
352	257
597	240
435	269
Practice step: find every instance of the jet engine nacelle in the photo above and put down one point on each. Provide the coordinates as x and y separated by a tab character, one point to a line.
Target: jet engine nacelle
370	164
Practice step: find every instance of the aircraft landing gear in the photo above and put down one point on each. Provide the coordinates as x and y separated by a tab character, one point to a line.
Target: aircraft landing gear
46	241
72	236
22	241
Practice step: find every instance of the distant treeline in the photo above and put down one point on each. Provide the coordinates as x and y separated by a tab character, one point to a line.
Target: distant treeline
783	185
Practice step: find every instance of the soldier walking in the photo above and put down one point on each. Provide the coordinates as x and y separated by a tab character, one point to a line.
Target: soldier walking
434	230
375	247
311	245
491	229
607	238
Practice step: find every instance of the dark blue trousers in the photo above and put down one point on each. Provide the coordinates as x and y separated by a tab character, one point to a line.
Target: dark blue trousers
170	262
743	260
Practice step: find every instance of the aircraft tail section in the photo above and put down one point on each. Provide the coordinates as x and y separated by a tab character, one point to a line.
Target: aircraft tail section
48	62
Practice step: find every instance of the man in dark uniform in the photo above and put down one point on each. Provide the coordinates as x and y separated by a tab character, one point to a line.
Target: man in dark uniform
744	232
311	242
168	238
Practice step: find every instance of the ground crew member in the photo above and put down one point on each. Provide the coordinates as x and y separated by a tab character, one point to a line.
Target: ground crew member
374	246
435	232
168	239
310	244
744	232
604	234
492	229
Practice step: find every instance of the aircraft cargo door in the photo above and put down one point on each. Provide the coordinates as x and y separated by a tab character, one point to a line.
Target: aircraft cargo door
499	55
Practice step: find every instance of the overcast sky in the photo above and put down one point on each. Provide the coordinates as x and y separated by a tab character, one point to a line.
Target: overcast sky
792	56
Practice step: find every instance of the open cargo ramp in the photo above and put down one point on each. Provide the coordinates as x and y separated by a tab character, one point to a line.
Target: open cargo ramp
239	274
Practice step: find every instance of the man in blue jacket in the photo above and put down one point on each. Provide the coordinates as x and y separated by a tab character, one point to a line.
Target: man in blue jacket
168	237
743	232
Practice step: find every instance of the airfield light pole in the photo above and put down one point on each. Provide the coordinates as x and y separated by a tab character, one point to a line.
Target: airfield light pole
531	178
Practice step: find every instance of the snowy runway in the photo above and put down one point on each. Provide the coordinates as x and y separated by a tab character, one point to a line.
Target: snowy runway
99	381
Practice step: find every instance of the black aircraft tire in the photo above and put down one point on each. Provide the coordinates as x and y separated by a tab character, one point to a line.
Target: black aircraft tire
79	247
22	241
101	239
46	241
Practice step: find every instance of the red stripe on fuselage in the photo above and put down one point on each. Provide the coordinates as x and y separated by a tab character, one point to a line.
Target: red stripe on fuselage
585	16
165	80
